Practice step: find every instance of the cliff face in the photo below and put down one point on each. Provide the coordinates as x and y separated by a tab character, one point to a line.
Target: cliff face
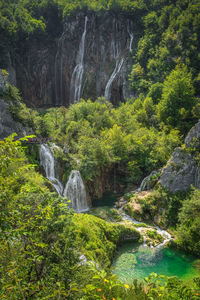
183	170
91	58
7	124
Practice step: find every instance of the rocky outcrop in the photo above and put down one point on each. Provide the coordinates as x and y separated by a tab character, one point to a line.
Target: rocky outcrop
2	82
7	124
90	58
193	136
182	170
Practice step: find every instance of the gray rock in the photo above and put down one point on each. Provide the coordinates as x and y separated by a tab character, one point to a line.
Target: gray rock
197	177
194	133
180	172
149	181
8	125
2	81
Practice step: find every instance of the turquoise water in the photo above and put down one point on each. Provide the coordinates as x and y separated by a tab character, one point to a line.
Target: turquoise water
104	207
136	262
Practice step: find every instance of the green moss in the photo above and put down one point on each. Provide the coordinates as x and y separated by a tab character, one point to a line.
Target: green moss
97	239
154	235
106	213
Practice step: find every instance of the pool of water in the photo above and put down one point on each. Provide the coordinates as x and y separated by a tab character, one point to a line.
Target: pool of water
108	199
136	262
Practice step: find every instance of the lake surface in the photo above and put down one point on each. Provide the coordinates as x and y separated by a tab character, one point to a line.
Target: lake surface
136	262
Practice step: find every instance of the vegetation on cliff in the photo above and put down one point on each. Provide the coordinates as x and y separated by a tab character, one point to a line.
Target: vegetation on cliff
166	34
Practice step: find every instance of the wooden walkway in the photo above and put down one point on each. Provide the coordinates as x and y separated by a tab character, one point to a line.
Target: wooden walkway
31	140
34	140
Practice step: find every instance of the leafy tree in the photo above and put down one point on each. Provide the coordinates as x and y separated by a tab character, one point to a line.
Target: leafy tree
189	227
178	99
35	236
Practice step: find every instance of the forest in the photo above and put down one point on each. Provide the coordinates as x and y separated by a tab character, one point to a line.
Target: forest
48	250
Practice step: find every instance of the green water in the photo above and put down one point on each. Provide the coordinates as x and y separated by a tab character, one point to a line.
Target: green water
108	199
104	207
136	262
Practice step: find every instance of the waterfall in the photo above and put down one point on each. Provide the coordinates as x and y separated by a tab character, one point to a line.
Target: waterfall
75	192
166	235
131	41
60	75
117	69
130	25
146	182
77	75
47	161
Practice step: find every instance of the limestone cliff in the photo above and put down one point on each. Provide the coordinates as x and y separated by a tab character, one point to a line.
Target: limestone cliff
182	170
7	124
90	58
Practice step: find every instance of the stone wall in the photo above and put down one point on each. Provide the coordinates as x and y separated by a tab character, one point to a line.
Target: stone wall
183	170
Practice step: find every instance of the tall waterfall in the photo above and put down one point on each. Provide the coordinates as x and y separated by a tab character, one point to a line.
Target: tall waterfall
48	163
75	192
131	36
77	75
59	69
117	69
131	41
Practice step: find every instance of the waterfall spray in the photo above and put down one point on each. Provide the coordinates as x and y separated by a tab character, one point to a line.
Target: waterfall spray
75	192
117	69
48	163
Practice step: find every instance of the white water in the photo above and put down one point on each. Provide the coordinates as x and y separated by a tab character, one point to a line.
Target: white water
143	185
131	41
48	163
117	69
75	192
166	235
77	75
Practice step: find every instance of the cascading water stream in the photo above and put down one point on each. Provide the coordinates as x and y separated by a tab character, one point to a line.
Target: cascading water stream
48	163
75	192
166	235
131	40
77	75
117	69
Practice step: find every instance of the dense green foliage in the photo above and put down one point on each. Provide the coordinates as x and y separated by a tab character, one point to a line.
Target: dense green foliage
34	230
100	136
34	235
171	36
189	228
99	243
158	203
41	240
